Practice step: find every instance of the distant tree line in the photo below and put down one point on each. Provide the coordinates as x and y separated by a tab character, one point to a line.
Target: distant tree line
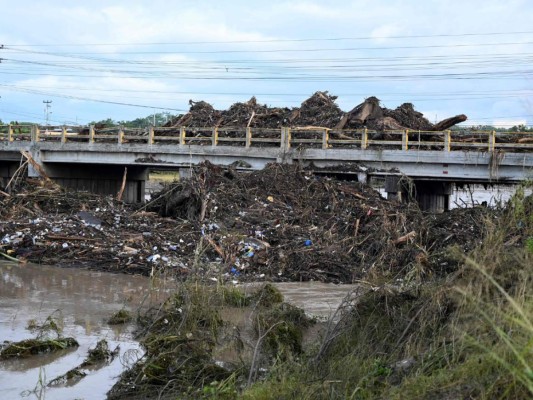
515	128
157	119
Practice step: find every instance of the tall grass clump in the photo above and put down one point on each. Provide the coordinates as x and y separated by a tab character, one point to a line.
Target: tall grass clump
467	334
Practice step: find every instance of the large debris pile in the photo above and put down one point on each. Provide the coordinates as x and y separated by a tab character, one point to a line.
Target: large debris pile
320	110
201	114
280	223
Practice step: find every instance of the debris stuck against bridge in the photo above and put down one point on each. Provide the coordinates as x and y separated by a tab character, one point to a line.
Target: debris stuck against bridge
320	110
281	223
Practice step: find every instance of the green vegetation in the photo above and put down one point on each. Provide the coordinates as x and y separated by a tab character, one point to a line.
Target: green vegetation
141	122
120	317
164	176
30	347
96	358
466	335
184	335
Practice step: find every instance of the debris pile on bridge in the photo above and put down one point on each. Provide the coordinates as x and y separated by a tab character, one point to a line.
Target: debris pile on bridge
320	110
201	115
281	223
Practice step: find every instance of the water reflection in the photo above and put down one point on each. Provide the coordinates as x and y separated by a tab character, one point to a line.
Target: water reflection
85	300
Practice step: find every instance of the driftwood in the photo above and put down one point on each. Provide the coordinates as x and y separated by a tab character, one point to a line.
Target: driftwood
449	122
405	238
35	165
123	186
367	110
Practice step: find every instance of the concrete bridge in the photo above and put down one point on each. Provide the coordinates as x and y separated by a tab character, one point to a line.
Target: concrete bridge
94	159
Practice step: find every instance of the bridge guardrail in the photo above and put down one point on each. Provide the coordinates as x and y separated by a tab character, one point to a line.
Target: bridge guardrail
297	137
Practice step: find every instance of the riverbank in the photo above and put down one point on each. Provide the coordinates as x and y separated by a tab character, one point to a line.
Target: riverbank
441	310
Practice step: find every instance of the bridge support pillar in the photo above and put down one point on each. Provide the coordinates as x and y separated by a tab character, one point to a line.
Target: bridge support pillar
431	196
185	173
394	189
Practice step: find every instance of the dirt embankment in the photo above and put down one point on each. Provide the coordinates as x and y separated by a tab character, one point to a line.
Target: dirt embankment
281	224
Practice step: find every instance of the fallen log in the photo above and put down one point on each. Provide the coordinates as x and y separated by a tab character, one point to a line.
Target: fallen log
405	238
70	238
449	122
35	165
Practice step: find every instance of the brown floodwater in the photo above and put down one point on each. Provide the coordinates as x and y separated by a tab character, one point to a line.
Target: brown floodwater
84	300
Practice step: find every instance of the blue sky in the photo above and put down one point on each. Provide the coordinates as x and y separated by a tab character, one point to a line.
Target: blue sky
127	59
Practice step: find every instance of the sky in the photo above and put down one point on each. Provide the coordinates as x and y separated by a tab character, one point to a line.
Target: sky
128	59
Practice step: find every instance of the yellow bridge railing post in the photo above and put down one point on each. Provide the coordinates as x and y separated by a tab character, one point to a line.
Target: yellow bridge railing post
10	133
285	139
325	138
248	137
34	134
182	135
364	139
150	135
492	141
214	137
405	140
121	135
91	133
64	134
447	140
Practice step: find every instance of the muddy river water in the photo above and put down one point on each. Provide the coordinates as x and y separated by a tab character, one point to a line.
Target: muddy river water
83	301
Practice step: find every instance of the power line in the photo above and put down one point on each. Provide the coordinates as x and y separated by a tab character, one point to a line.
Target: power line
90	99
517	92
298	50
274	40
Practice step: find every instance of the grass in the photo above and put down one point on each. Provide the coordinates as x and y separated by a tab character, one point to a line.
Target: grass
465	335
181	335
164	176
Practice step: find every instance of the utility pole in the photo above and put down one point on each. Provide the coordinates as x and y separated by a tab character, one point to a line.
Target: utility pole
47	107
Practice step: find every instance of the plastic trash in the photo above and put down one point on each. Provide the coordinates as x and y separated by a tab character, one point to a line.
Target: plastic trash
153	258
308	242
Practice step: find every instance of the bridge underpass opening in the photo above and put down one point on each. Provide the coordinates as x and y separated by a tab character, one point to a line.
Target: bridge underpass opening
100	179
7	170
431	196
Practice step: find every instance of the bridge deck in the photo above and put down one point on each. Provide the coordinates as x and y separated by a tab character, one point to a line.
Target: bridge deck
448	155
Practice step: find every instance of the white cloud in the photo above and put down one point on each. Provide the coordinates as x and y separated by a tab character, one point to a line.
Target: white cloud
133	22
508	122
